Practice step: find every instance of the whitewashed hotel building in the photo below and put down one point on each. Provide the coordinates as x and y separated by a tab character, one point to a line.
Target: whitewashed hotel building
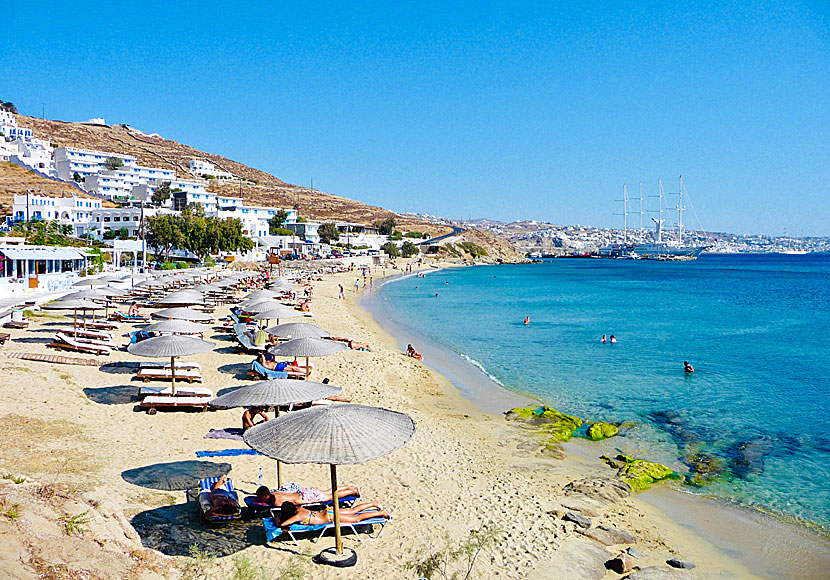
84	162
75	210
202	167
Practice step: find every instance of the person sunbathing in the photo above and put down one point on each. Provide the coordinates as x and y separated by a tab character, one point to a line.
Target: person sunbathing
305	306
291	513
133	310
292	492
413	353
273	365
353	344
222	504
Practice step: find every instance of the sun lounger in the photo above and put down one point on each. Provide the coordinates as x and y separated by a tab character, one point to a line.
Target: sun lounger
89	333
204	500
66	343
121	317
162	374
4	336
17	324
154	402
273	531
244	340
260	509
257	370
166	365
167	391
63	335
100	325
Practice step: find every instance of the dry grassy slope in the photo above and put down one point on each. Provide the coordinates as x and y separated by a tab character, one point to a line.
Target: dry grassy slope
497	248
262	188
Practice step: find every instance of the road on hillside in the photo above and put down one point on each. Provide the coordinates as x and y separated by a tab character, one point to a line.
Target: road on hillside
455	232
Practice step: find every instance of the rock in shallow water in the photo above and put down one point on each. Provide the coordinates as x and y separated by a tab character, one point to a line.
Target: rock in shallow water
602	430
678	563
558	425
639	473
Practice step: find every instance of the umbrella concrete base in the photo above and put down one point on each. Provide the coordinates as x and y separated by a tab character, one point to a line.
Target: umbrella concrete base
330	557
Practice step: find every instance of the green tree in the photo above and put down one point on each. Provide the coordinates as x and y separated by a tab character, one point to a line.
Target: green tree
277	221
161	194
77	177
8	106
386	227
162	233
113	163
328	233
409	249
391	249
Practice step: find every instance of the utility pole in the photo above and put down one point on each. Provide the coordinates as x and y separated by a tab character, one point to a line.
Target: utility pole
43	110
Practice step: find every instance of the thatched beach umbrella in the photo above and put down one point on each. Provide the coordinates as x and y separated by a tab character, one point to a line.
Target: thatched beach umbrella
273	393
307	347
258	295
176	475
182	314
293	330
90	282
75	304
170	346
177	326
333	435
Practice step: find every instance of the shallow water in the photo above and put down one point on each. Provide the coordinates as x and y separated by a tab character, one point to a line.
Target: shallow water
756	328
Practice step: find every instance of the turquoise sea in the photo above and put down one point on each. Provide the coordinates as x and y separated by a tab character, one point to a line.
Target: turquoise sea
755	327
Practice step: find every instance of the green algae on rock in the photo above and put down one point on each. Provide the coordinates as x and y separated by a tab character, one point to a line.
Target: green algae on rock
639	473
602	430
558	425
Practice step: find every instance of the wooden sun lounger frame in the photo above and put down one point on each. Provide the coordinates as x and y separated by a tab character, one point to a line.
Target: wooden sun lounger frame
152	403
144	376
90	348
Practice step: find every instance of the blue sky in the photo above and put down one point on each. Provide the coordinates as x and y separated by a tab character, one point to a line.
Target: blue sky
500	110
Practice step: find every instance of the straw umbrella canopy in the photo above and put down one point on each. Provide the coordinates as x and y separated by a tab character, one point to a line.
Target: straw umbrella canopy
89	282
111	278
333	435
277	312
170	346
74	304
273	393
273	306
177	326
293	330
174	476
182	298
257	295
307	347
182	314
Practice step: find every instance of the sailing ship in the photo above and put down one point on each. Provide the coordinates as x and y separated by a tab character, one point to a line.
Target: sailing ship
659	249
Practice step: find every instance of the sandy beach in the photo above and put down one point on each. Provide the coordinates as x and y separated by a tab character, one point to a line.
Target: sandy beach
72	431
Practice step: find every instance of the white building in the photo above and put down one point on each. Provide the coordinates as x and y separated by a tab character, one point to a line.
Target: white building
115	218
36	154
10	130
206	168
24	268
84	162
75	211
306	230
254	218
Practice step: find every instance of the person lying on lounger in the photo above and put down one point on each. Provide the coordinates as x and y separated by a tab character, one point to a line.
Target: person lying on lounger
293	514
353	344
222	503
133	310
273	365
250	415
292	492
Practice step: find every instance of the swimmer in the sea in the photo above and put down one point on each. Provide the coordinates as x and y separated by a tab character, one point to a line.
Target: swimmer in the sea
688	368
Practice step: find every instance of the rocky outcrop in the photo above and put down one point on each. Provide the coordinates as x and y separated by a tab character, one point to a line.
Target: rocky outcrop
661	573
558	426
640	474
610	536
602	430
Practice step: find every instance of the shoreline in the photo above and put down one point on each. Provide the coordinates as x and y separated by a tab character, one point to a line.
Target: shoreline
708	517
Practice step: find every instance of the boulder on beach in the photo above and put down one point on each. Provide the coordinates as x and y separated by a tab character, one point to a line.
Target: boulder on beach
602	430
558	425
640	474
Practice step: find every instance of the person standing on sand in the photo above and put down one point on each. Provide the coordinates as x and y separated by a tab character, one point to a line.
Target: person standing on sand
341	295
356	284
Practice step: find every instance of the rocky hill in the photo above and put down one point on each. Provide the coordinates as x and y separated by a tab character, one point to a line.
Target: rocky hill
255	186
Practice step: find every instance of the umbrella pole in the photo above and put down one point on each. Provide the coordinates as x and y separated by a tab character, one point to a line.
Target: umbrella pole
307	369
173	374
338	540
279	467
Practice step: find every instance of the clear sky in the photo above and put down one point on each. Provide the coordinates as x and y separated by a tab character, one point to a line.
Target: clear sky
512	110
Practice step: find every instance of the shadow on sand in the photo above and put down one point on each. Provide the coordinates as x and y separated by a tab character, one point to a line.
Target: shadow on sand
237	370
118	395
173	529
120	368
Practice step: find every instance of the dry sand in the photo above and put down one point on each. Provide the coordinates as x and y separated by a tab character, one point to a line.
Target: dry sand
72	431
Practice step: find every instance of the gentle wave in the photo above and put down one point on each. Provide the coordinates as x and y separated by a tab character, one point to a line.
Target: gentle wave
480	367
